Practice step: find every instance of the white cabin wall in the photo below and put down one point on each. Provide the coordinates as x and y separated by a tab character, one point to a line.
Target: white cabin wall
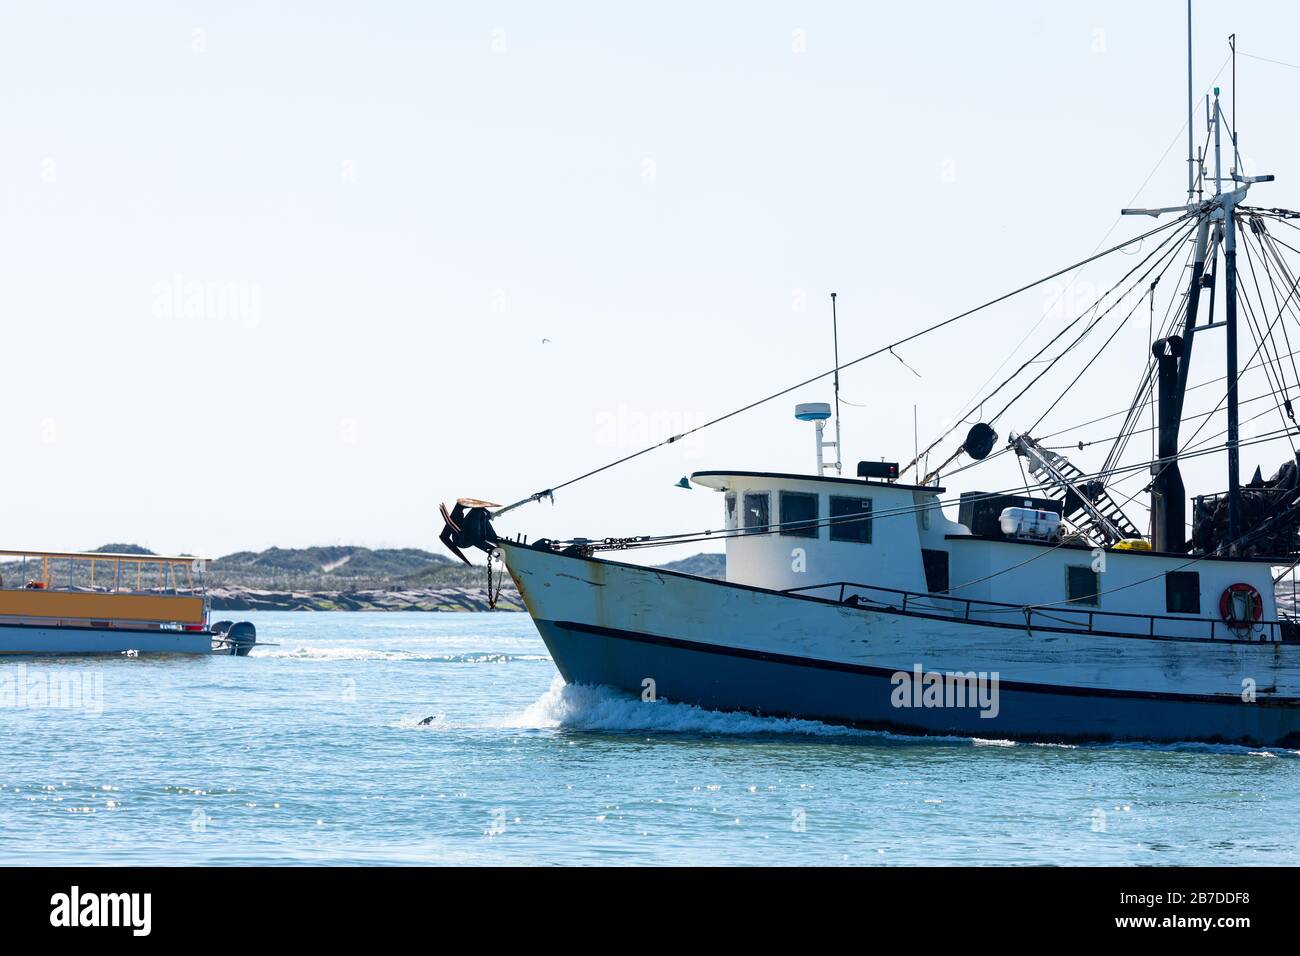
933	526
892	559
1131	582
906	519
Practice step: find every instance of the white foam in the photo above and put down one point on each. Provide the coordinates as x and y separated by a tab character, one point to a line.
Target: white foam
593	708
1193	746
319	653
587	707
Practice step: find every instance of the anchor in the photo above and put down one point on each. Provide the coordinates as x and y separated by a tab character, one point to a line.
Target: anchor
468	525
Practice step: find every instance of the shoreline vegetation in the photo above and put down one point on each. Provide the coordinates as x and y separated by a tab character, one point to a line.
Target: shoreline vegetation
349	578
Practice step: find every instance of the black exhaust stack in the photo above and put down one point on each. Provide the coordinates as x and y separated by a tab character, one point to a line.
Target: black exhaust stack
1168	497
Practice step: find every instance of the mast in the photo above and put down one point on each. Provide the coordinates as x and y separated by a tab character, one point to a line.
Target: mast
1173	357
835	334
1193	308
1173	361
1228	211
1191	156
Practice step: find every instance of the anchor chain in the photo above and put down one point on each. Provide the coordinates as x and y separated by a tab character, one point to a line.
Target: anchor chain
494	595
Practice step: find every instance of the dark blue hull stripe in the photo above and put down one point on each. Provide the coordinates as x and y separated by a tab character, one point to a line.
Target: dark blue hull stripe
887	672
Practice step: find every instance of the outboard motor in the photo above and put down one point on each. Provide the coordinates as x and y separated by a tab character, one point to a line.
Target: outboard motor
219	644
232	639
241	637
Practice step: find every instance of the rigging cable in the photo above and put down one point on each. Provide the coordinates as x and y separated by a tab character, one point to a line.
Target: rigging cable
1080	445
1095	356
550	492
1248	364
636	542
1132	200
1123	411
1142	397
1272	284
1273	366
1036	355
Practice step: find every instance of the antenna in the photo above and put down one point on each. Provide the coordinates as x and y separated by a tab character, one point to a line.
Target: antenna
1191	156
1218	155
1236	153
835	335
916	437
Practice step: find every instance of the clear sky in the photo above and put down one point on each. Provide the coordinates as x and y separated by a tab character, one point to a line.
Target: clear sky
290	274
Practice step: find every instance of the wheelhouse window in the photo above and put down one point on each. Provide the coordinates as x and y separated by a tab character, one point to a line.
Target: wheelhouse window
758	511
850	519
731	509
1183	592
799	514
1082	585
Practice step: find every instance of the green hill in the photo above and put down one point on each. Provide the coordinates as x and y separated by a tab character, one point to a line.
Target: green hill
122	549
704	565
339	567
349	568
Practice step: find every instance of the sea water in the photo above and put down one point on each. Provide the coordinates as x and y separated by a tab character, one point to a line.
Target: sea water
449	739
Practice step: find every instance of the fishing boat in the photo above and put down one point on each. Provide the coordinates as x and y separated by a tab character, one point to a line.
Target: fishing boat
1041	611
96	602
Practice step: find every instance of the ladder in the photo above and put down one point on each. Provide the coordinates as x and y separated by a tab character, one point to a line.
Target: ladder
1089	507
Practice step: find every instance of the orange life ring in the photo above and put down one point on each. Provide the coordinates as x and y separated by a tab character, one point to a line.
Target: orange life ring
1226	604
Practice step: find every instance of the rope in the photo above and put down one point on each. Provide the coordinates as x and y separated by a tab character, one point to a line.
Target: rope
1033	359
1132	200
636	542
550	492
1096	355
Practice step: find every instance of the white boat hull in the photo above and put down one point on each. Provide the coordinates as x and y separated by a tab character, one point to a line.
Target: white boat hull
729	646
39	639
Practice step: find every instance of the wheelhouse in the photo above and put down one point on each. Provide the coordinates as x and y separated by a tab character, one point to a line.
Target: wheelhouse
888	543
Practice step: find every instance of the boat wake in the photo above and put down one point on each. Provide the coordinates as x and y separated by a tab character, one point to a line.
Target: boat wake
1198	747
303	652
594	708
598	709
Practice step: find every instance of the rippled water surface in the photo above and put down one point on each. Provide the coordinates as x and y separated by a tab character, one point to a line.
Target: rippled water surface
320	751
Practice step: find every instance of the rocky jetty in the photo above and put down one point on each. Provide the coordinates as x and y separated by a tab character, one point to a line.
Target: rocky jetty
350	578
378	599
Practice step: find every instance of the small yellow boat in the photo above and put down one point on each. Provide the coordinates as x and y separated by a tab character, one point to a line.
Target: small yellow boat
94	602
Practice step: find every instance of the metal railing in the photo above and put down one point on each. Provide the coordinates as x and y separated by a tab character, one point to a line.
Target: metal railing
102	572
1071	619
